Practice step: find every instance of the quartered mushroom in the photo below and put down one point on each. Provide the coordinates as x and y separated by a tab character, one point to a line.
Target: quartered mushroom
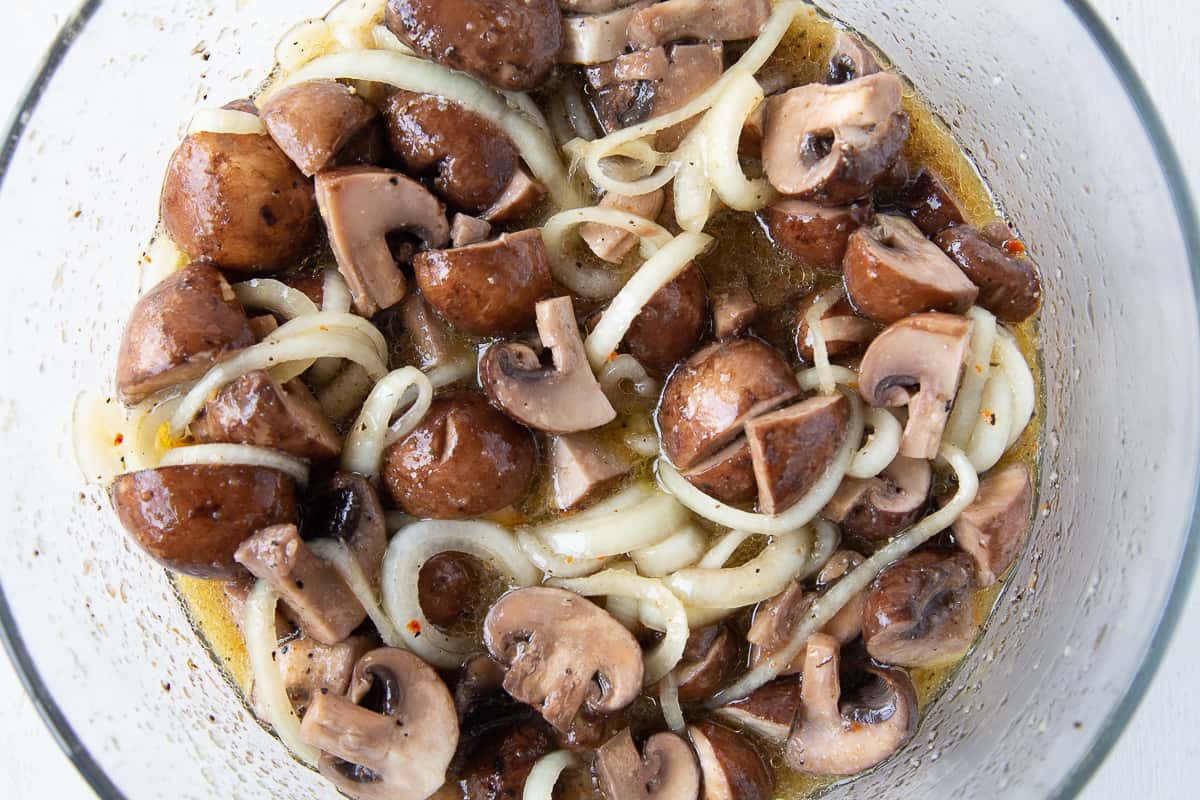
733	312
893	271
581	468
850	59
703	20
666	769
876	509
993	528
600	36
519	198
814	233
1009	287
929	204
499	764
190	320
399	747
466	230
563	652
191	519
429	334
774	621
489	288
446	587
709	659
613	244
727	475
668	327
846	333
919	612
731	766
831	144
313	121
361	206
769	711
839	735
562	398
917	362
309	668
792	448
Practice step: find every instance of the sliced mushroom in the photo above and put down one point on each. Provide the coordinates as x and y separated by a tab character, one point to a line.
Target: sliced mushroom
511	44
665	770
258	410
851	59
732	768
876	509
836	735
1008	287
709	660
238	201
793	447
581	468
467	230
401	746
640	65
705	20
446	587
361	206
893	271
429	334
315	594
930	205
813	233
598	37
993	528
832	143
313	121
917	362
919	612
490	288
464	460
563	652
177	330
727	475
668	327
563	398
309	668
613	244
519	199
191	519
499	765
846	333
769	711
733	312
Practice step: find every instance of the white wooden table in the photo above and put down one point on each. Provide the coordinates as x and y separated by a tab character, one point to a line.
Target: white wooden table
1154	758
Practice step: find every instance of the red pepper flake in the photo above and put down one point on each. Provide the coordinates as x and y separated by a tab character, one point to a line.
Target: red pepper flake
414	627
1014	247
611	356
120	437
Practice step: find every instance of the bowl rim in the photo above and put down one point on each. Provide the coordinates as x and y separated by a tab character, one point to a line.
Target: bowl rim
1118	717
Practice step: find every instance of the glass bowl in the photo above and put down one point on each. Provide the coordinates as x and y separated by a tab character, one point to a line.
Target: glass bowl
1036	91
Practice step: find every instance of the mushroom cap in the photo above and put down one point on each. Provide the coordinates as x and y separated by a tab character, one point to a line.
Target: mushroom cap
769	711
1008	287
845	332
446	587
490	288
774	621
709	659
562	652
919	611
666	770
917	362
732	768
238	201
993	528
192	518
190	320
668	327
465	459
727	475
563	398
709	397
793	447
703	20
312	121
878	508
929	204
347	508
813	233
892	271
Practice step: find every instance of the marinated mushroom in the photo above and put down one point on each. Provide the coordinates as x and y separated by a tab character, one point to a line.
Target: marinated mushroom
361	206
563	652
428	333
465	459
733	312
490	288
190	320
917	362
562	398
499	765
837	735
831	144
1009	287
311	122
919	613
709	660
851	59
483	705
309	668
731	766
669	326
993	528
846	625
347	508
704	20
446	587
400	746
191	519
876	509
666	769
466	230
930	205
593	6
793	447
769	711
846	333
599	37
893	271
581	468
613	244
519	199
816	234
727	475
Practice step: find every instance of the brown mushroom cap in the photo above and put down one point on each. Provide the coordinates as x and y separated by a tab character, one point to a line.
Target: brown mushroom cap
929	204
499	764
709	659
562	652
813	233
465	459
774	621
347	508
669	326
727	475
769	711
993	528
428	333
581	468
919	611
192	518
917	362
704	20
832	143
666	770
878	508
313	121
1008	287
177	330
490	288
563	398
446	587
793	447
893	271
731	766
510	44
733	312
845	332
238	201
850	59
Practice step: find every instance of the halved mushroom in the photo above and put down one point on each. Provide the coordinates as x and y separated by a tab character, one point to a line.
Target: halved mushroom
917	362
793	447
490	288
313	121
400	746
446	587
467	230
361	206
919	611
598	37
581	468
893	271
309	668
709	659
190	320
519	199
315	595
665	770
668	327
191	519
993	528
563	398
876	509
834	735
727	475
930	205
733	312
498	766
465	459
563	652
258	410
705	20
845	332
813	233
510	44
769	711
613	244
851	59
347	508
832	143
1008	287
732	768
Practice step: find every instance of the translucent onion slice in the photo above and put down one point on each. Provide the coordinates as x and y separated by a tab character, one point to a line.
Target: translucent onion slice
825	544
681	549
826	379
162	258
225	120
268	294
1020	378
720	553
993	425
760	578
645	445
722	129
651	616
625	610
239	455
622	371
374	430
554	565
341	396
668	700
882	445
613	532
386	40
348	567
693	192
810	379
596	282
965	414
335	297
102	436
408	551
352	22
544	775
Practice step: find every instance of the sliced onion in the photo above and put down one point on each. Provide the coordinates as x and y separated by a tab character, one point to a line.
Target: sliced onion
554	565
722	129
353	22
305	41
695	201
760	578
645	445
668	700
965	414
268	294
347	565
826	379
162	258
345	393
102	434
624	610
1020	378
596	282
993	425
720	553
681	549
604	533
627	370
237	455
825	544
414	545
386	40
544	775
374	430
226	120
810	379
651	616
882	445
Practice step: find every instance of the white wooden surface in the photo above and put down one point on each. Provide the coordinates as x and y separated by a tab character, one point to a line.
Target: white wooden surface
1155	756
